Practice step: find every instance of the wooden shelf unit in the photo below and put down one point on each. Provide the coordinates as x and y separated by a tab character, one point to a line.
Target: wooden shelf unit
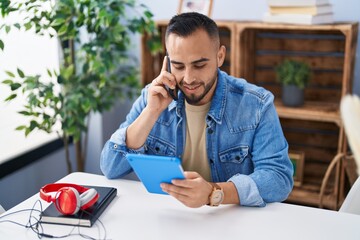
315	128
254	49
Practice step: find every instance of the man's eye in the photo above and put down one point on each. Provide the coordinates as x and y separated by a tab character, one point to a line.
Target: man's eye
179	67
199	66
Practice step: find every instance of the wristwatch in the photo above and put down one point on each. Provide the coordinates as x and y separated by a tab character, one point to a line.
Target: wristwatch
216	196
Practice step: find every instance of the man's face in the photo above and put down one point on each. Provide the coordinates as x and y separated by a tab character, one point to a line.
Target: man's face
194	62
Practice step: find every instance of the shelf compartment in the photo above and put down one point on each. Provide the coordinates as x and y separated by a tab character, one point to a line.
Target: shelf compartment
311	110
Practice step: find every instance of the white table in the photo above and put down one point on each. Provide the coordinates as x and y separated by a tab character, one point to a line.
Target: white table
137	214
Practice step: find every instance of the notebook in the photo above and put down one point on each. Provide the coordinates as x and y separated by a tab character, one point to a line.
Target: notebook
82	218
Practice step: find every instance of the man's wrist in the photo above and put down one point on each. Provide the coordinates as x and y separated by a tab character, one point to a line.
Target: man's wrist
152	112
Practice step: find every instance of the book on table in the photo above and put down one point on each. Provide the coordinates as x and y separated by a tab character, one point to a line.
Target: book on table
306	19
297	3
312	10
84	218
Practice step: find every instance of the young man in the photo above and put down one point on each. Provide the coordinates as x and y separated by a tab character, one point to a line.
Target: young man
225	130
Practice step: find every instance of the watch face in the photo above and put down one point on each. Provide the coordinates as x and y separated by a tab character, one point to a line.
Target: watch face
217	197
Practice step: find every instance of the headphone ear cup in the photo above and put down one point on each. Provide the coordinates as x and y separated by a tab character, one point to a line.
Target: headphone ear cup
67	201
88	198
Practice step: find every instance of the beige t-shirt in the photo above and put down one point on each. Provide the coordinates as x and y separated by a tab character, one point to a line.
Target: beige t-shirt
195	156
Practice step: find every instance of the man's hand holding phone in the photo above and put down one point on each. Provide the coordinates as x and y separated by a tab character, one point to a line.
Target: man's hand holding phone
159	97
158	100
173	92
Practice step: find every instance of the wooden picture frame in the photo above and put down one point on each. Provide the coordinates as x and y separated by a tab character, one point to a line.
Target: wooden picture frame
200	6
297	158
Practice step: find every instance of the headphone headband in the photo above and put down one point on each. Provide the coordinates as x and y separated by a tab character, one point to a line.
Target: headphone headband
54	187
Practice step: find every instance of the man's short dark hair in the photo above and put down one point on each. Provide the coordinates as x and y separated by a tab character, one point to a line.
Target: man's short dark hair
185	24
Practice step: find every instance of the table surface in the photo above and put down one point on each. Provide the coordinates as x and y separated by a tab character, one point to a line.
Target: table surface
137	214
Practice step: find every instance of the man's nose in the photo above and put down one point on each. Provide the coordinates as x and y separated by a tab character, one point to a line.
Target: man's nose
189	77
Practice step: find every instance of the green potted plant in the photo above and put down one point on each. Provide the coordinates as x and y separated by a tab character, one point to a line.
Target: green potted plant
94	72
294	77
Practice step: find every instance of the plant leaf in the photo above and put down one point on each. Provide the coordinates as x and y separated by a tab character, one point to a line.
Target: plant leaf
10	74
58	22
24	113
19	128
1	45
15	86
11	97
49	73
28	25
7	29
27	131
17	25
7	81
21	73
62	30
148	14
33	125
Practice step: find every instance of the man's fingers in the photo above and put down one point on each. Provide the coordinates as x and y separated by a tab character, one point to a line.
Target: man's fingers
165	78
159	89
189	197
191	175
172	189
188	181
164	65
155	82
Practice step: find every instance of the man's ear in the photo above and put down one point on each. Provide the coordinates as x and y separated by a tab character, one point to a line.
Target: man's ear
221	55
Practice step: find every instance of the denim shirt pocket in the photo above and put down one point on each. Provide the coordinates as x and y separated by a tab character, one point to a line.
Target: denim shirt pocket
155	146
233	160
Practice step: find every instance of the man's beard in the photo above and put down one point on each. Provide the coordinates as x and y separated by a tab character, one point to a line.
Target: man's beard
193	99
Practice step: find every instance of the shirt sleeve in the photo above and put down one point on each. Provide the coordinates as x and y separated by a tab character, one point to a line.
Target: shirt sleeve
247	190
113	162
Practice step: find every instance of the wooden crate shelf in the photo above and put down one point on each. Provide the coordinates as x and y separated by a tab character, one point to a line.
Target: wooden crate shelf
315	128
304	196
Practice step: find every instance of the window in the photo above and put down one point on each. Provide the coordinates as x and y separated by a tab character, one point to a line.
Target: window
32	54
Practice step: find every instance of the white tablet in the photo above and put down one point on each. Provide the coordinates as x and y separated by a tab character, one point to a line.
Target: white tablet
153	170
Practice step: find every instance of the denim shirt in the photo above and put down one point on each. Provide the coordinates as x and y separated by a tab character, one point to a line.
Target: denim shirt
244	141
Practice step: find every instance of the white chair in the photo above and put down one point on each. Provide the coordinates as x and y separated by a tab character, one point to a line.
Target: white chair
350	114
352	200
2	210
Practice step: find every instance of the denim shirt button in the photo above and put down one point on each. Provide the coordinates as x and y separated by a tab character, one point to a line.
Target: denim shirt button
210	131
115	146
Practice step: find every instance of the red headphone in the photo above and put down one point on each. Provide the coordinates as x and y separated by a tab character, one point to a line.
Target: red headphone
69	198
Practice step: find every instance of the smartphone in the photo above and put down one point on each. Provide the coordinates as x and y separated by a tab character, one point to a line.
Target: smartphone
173	92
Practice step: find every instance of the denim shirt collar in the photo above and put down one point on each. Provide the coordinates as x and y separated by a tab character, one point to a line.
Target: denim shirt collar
218	101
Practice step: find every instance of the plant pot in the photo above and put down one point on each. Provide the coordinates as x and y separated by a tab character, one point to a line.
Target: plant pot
292	96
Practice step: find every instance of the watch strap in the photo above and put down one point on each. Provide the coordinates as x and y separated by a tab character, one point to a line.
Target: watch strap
215	186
